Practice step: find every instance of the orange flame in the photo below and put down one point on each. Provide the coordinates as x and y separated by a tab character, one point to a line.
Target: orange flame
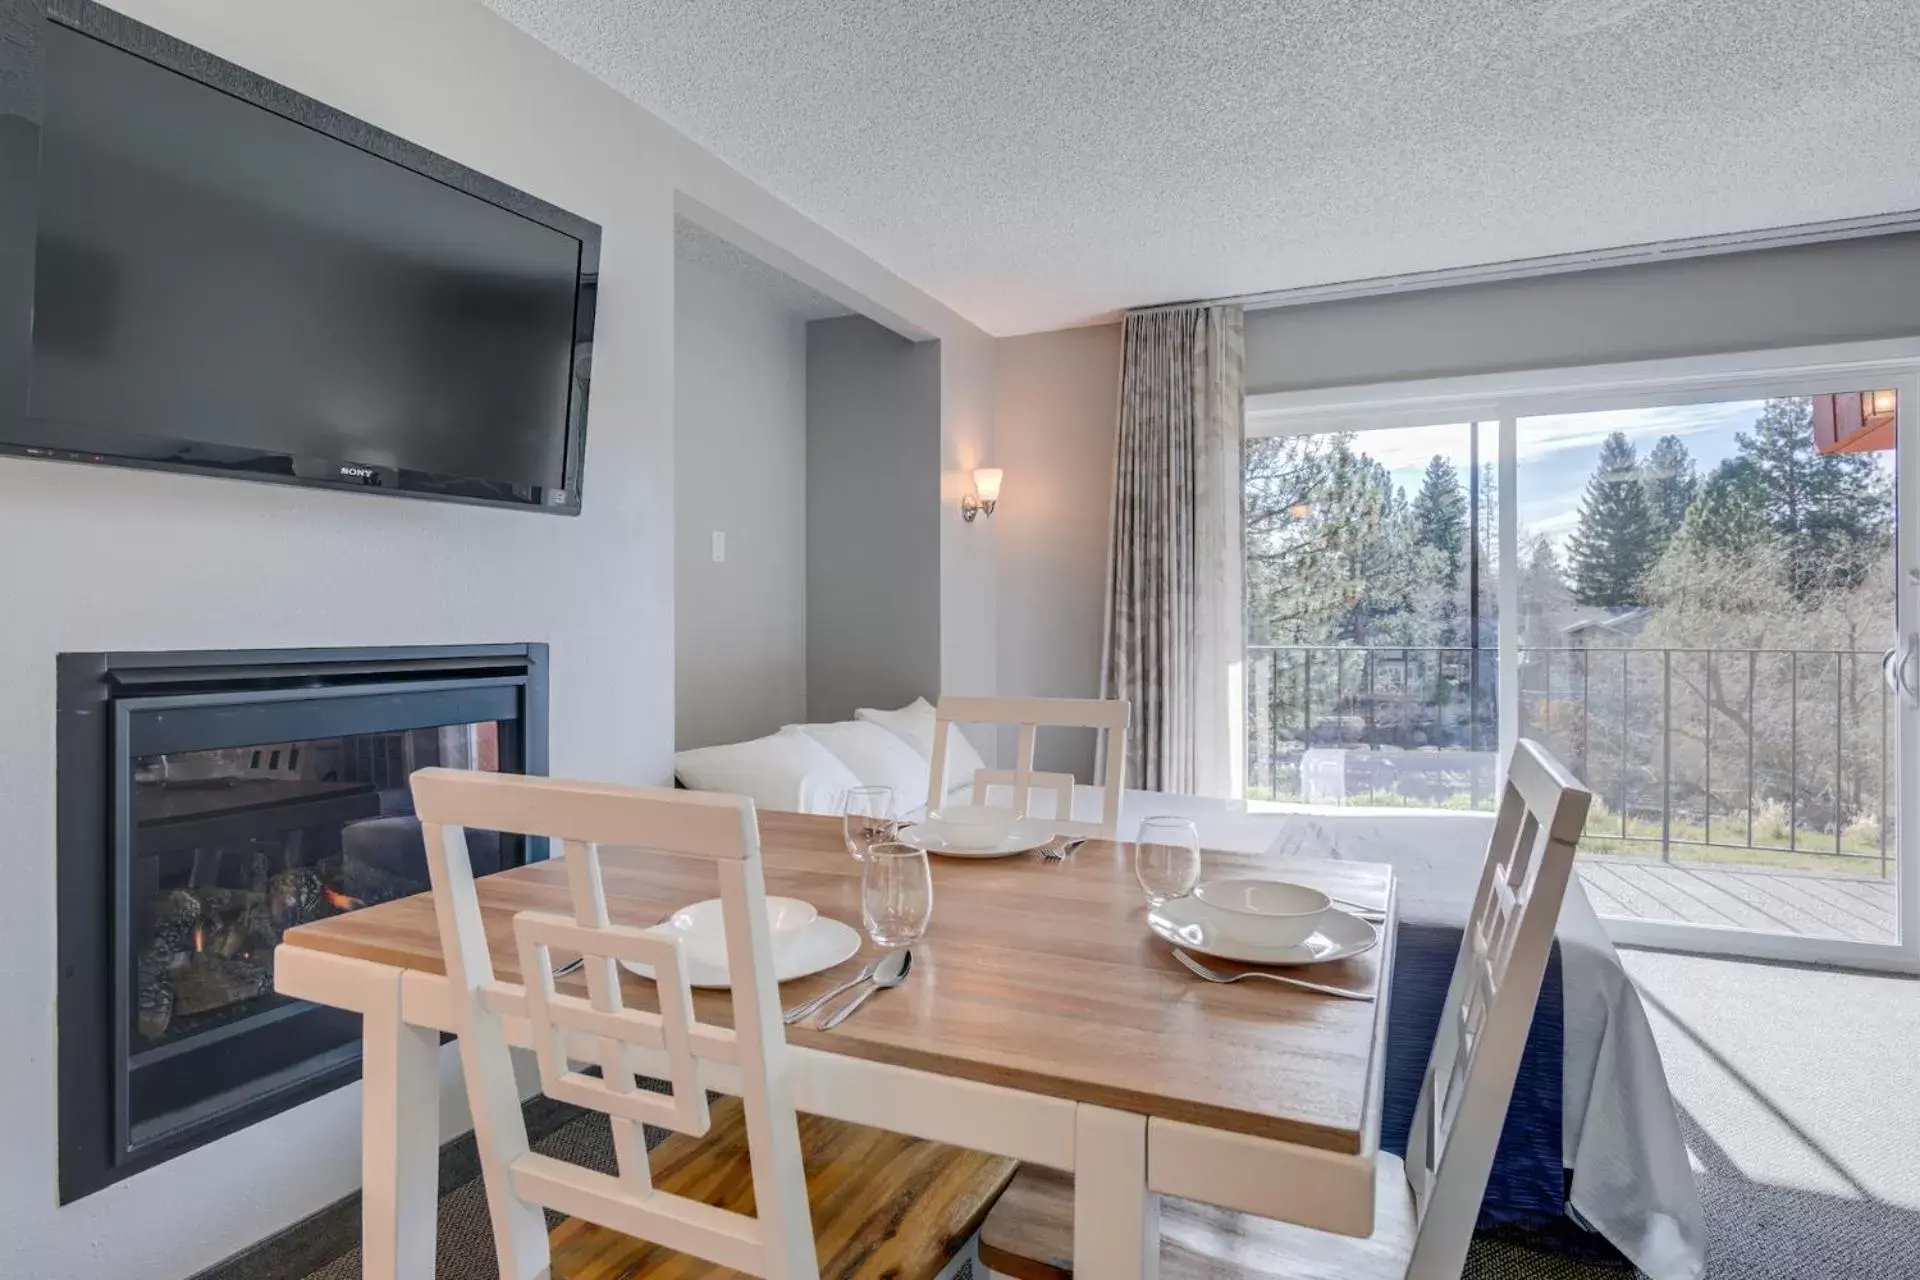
340	901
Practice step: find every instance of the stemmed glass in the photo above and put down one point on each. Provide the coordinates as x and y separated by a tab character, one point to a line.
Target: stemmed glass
896	894
1166	858
869	819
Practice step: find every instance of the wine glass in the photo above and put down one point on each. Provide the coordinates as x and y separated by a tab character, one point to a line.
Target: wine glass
869	819
1166	858
896	894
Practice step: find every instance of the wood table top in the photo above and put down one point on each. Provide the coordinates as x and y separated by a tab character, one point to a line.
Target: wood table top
1036	976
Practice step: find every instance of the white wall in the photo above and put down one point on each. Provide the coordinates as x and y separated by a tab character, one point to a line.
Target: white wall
739	467
107	559
1056	398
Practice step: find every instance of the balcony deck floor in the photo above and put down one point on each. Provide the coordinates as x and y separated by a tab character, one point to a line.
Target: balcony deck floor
1772	900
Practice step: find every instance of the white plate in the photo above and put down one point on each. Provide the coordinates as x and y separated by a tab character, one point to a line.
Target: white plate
818	947
1188	923
704	924
1027	834
973	823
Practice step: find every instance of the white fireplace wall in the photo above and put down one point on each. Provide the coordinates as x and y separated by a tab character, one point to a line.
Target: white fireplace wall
103	559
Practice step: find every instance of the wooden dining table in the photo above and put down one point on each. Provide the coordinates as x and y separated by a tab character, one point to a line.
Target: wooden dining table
1041	1020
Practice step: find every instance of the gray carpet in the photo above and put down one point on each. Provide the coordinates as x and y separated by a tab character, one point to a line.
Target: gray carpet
1796	1090
1797	1093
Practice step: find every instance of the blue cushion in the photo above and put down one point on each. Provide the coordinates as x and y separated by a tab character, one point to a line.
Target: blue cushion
1527	1186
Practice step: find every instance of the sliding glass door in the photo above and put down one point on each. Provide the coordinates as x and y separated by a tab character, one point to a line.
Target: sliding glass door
1693	598
1707	595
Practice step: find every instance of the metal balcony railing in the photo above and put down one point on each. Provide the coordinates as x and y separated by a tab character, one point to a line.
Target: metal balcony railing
1785	751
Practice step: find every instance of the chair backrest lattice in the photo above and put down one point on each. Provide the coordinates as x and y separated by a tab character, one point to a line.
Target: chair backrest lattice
1105	716
624	1042
1490	1005
990	785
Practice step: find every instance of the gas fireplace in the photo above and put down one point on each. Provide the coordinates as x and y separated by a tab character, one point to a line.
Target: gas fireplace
209	802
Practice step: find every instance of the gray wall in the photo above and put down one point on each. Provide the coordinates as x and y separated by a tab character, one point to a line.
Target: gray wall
739	467
1056	401
1842	291
873	518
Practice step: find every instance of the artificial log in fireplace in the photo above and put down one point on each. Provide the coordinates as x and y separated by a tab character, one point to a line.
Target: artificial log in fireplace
209	803
255	854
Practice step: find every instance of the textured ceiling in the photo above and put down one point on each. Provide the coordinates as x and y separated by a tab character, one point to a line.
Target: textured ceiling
714	257
1036	164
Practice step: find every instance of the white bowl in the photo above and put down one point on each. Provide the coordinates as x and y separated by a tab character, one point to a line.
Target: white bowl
975	824
1271	913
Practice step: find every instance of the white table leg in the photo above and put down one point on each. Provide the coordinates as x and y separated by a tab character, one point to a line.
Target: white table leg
1116	1220
399	1142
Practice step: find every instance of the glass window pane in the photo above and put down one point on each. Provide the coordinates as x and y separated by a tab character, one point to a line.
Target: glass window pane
1705	594
1372	673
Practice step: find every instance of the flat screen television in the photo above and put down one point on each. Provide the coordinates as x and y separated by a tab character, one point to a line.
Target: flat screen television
201	270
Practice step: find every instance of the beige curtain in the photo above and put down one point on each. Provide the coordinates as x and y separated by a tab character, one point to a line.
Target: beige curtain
1175	635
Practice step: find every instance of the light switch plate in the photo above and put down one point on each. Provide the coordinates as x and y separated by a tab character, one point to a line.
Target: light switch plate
719	547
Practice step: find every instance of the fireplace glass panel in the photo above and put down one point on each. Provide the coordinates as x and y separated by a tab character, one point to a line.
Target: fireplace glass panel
233	847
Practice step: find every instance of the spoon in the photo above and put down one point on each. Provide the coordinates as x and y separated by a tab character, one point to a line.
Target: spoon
807	1008
892	971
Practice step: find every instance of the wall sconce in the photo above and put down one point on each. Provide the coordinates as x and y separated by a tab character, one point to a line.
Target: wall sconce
986	493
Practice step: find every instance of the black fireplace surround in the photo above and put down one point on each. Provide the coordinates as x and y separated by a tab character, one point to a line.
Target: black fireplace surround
207	803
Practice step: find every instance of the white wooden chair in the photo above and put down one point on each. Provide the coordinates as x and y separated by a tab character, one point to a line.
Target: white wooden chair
1424	1208
650	1215
1108	716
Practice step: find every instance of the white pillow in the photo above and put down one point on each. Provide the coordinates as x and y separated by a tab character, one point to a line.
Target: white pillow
780	771
875	757
913	724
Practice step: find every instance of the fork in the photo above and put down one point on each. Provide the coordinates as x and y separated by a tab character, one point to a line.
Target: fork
806	1008
1214	975
1059	852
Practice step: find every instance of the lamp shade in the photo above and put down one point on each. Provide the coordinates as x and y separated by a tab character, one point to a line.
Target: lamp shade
986	483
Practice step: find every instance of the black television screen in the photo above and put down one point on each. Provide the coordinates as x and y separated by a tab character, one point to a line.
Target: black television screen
218	285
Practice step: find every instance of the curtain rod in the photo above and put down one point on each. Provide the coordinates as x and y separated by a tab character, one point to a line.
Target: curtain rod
1804	233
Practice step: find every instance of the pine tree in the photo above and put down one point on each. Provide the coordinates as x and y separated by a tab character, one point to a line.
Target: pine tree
1294	593
1330	546
1484	535
1618	537
1440	522
1543	596
1672	483
1730	514
1835	511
